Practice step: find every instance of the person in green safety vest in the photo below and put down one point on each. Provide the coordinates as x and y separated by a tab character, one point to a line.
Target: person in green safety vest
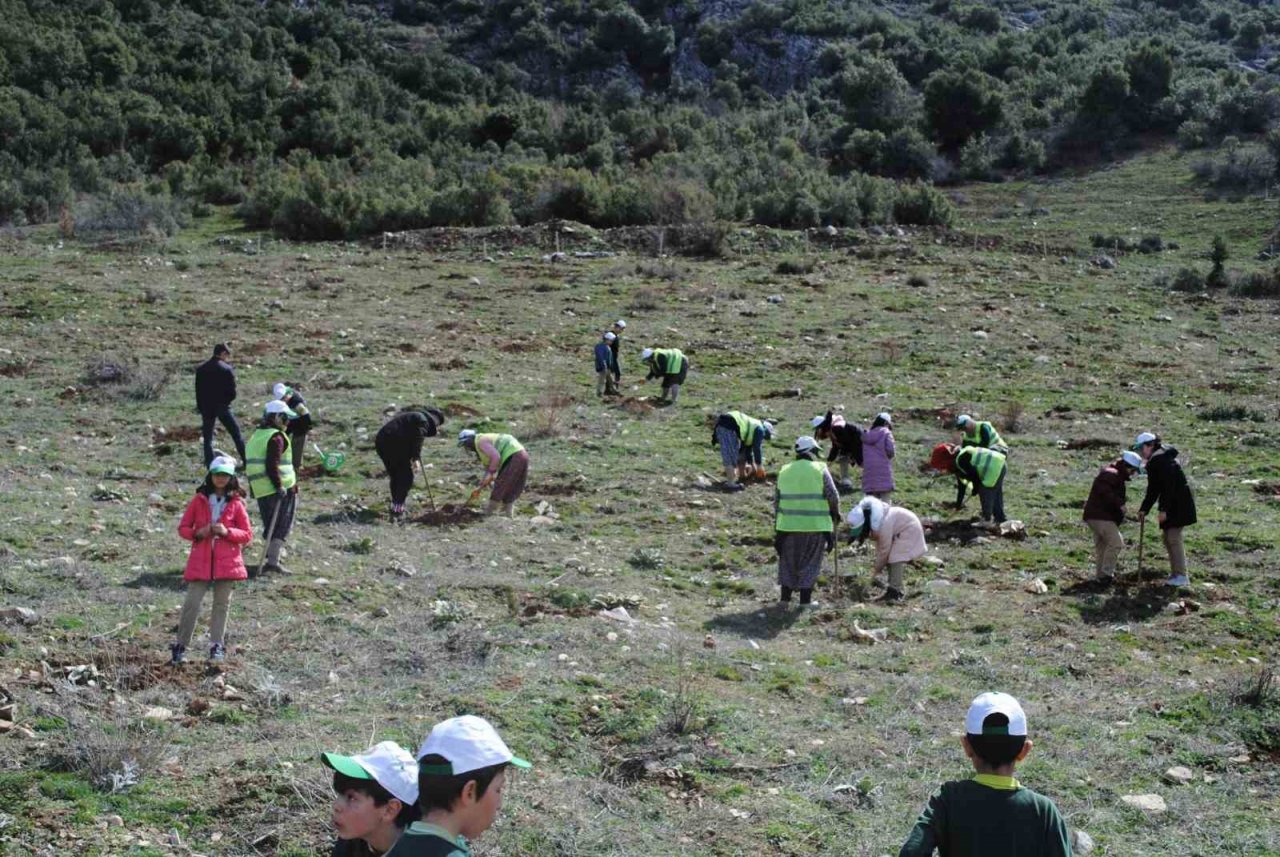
272	479
671	366
984	470
741	440
506	468
981	434
806	510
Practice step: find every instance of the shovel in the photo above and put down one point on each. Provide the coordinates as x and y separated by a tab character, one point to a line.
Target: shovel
427	482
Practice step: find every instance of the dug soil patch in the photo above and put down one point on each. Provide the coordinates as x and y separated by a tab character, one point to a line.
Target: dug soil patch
449	515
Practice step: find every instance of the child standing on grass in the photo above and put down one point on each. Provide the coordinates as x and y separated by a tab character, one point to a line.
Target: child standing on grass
376	798
217	525
462	773
990	815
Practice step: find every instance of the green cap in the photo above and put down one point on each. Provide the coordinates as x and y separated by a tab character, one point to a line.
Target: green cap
346	766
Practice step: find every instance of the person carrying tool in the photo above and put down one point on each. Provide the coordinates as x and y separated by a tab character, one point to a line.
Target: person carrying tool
215	391
298	426
606	365
980	434
741	440
506	468
615	345
218	528
1167	485
272	479
1104	512
399	445
899	539
980	469
877	457
806	510
671	366
846	445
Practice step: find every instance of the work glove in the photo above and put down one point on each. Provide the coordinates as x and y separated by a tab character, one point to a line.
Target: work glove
830	540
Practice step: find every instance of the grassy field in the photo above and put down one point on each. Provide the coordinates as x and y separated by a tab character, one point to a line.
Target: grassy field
714	723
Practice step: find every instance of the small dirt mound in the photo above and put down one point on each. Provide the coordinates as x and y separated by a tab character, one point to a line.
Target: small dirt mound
175	435
453	409
1269	488
637	405
448	515
787	393
1091	443
311	471
962	531
446	365
519	346
558	489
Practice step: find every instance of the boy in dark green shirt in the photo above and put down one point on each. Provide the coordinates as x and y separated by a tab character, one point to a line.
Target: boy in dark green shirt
991	815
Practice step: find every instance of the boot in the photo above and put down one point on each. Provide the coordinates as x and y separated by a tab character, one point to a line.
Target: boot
273	557
509	509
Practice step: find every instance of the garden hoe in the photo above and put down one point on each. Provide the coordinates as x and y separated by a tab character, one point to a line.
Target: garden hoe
1142	543
427	482
271	531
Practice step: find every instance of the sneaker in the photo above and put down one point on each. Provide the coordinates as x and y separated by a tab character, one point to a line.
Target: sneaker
178	654
732	486
217	652
810	605
1178	580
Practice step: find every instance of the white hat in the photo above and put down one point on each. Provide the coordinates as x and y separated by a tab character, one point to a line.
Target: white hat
804	443
279	407
609	336
884	415
468	743
872	506
465	435
280	389
963	419
223	464
995	703
768	428
620	324
1132	459
1143	439
387	764
817	421
646	354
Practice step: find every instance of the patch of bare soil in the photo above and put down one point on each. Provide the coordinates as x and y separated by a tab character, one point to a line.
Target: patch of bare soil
962	531
453	409
1091	443
637	405
519	346
448	515
175	435
558	489
445	365
1271	489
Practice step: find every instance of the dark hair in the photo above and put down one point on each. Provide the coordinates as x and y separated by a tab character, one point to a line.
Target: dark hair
441	791
220	349
997	750
865	529
233	487
879	421
409	812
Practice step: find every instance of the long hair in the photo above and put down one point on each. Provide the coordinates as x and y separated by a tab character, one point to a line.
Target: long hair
233	487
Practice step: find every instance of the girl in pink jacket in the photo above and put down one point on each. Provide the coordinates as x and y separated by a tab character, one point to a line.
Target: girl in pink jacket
898	536
217	525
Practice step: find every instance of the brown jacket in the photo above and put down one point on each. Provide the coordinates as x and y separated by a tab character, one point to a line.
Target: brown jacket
1106	497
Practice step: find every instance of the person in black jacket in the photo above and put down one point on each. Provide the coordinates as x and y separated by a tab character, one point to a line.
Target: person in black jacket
846	445
1167	485
300	425
215	391
399	444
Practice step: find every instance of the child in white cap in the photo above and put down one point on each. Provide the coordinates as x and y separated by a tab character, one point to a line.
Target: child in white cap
992	814
376	798
462	773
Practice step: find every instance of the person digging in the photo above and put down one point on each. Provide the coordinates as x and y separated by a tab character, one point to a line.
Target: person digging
298	426
741	441
898	536
506	468
846	445
272	480
806	510
399	445
980	434
1167	486
1104	513
671	366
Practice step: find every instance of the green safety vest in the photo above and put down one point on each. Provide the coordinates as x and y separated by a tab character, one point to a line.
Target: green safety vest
988	462
746	426
994	441
802	503
668	360
255	465
506	445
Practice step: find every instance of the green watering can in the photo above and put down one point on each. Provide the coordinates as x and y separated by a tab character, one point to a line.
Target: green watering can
331	461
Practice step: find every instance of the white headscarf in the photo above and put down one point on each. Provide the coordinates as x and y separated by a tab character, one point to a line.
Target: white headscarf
873	506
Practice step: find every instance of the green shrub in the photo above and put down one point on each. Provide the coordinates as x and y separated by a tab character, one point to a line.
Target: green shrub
1256	284
1186	280
922	205
796	265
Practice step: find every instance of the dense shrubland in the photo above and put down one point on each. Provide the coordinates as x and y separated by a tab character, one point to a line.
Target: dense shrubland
333	120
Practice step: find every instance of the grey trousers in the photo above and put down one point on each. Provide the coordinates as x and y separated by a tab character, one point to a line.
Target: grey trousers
191	609
1107	543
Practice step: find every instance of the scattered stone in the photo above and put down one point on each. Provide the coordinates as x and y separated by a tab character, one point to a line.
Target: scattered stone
474	281
617	614
1242	759
774	299
381	613
1081	842
1178	775
981	334
1015	530
1104	262
542	521
114	821
1149	803
934	560
854	700
1036	586
157	712
21	615
230	694
198	706
869	635
708	642
937	584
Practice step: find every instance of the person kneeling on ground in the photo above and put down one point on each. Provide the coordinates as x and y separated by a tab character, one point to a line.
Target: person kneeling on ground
506	467
992	814
846	445
376	798
741	440
399	445
806	510
671	366
899	538
1104	511
462	773
1167	485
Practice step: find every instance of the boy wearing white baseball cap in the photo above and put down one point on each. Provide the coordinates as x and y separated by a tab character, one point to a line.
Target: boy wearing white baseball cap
992	814
462	773
376	798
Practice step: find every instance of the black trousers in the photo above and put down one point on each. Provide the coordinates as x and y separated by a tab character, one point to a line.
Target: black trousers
399	464
284	523
228	421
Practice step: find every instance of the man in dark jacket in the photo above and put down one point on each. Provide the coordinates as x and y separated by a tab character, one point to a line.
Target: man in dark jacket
846	445
215	391
1104	511
1167	485
399	445
300	425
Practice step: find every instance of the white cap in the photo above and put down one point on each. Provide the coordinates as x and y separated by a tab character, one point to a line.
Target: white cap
646	354
963	419
872	506
620	324
817	421
279	407
227	464
279	390
469	743
1142	439
768	428
465	435
1132	459
609	336
995	703
884	415
804	443
387	764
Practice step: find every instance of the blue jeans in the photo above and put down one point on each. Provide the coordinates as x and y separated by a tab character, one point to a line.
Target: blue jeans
228	421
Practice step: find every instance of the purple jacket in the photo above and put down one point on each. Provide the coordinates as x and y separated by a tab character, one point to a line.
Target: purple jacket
877	470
